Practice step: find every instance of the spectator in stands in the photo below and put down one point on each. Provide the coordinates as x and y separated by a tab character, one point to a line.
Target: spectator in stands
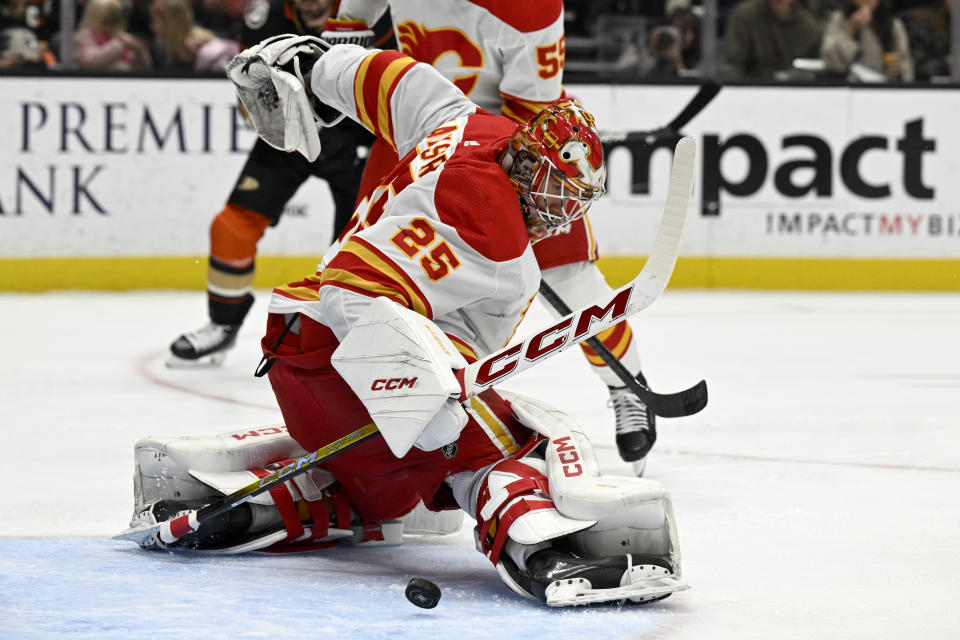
180	44
669	50
929	31
821	9
223	17
687	22
24	29
763	37
102	42
866	32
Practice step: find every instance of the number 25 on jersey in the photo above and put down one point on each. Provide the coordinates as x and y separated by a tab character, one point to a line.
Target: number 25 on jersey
417	239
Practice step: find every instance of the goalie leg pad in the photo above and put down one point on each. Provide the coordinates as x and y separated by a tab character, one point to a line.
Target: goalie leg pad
628	551
424	522
632	515
310	511
162	465
510	501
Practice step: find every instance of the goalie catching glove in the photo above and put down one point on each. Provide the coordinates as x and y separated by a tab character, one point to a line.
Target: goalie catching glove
271	80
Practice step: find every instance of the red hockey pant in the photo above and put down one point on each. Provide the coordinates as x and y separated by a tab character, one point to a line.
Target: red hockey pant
319	407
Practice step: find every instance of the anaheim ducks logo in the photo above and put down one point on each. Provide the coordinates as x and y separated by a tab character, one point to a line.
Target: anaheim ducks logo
248	183
429	45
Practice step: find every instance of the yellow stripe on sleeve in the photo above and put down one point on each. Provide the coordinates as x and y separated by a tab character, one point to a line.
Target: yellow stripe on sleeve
394	69
300	293
362	111
493	426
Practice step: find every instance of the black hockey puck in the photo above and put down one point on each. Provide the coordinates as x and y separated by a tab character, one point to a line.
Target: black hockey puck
423	593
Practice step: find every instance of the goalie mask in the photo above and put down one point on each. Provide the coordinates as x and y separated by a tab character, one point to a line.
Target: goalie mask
555	162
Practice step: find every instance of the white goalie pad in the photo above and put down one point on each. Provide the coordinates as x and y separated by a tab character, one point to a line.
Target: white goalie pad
633	515
423	522
400	364
534	526
194	468
187	468
275	99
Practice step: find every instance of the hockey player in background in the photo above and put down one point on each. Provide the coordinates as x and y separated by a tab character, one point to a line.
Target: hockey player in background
507	57
436	269
268	180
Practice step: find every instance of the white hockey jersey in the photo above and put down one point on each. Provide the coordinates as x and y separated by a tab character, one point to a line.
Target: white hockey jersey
506	56
443	234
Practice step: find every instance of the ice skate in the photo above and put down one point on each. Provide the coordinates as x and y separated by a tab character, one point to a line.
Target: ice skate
562	578
226	527
636	426
205	347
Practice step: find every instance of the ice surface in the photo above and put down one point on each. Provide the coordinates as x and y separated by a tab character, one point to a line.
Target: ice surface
816	496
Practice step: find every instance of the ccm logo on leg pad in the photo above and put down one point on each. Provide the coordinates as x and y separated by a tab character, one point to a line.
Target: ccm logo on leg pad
569	457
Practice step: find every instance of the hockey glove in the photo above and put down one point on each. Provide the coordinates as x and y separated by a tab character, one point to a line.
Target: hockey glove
271	80
340	31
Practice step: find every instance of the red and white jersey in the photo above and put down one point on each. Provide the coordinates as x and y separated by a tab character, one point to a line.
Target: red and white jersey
506	56
443	234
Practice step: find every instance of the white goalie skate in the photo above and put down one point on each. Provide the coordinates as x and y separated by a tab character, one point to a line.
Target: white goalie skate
640	583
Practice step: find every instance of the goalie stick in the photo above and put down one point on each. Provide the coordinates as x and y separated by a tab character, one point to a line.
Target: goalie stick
495	368
672	130
611	309
707	92
666	405
691	400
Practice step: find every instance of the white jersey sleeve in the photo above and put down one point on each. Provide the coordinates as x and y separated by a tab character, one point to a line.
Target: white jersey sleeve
369	11
398	99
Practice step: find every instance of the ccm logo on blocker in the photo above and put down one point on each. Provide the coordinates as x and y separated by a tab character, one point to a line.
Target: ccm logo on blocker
393	383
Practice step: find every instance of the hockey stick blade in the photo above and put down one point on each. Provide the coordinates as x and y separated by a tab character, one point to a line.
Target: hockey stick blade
665	405
169	531
609	310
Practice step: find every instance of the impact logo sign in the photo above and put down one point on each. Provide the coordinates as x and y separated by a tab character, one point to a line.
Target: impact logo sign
813	172
813	168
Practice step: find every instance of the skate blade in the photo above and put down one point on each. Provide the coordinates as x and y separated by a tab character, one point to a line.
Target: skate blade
578	591
209	361
141	535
